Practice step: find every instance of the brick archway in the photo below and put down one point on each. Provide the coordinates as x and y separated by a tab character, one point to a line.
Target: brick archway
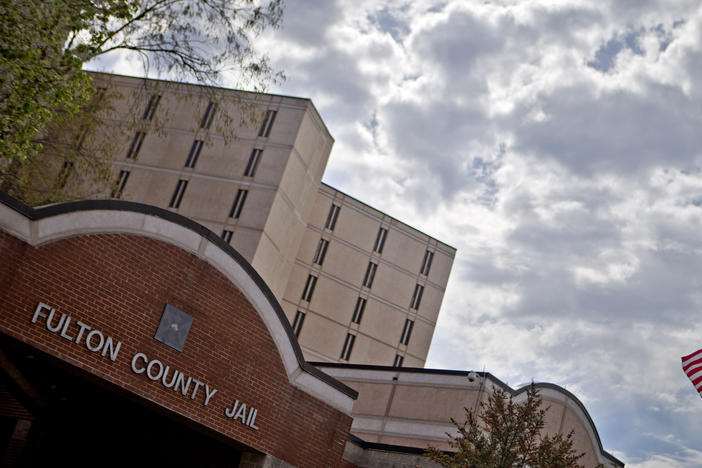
87	283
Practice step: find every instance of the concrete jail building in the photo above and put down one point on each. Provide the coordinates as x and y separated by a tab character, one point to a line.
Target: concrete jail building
230	310
358	285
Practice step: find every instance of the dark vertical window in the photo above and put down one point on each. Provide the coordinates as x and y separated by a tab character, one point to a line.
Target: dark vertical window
62	178
253	162
265	129
227	235
406	332
417	296
178	194
297	323
358	310
331	217
151	107
238	204
209	115
194	154
370	274
119	185
348	346
398	361
321	252
426	263
380	240
136	145
309	288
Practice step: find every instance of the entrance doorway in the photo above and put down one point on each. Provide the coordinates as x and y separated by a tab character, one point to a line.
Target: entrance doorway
79	421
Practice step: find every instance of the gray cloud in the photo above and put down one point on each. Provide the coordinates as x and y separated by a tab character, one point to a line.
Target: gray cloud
618	131
456	44
389	21
307	22
445	155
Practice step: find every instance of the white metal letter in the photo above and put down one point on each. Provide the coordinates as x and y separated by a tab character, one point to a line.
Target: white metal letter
38	311
241	413
252	424
110	346
180	382
165	376
83	327
65	327
230	414
50	319
134	360
198	384
209	394
88	339
151	365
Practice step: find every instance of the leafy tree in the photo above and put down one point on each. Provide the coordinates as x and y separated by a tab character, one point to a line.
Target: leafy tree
45	43
39	80
507	435
75	162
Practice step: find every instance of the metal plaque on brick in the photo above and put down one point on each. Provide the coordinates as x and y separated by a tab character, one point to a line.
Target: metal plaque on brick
174	327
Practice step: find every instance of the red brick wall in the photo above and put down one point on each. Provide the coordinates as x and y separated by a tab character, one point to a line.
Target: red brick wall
119	284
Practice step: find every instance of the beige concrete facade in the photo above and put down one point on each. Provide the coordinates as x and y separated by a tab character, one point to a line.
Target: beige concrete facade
390	316
313	245
413	408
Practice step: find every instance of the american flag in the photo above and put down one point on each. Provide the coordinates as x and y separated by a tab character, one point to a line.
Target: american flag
692	365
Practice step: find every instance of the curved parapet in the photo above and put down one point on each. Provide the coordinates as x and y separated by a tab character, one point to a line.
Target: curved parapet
573	416
412	407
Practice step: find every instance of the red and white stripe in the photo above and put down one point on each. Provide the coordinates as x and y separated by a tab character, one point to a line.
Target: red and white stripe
692	366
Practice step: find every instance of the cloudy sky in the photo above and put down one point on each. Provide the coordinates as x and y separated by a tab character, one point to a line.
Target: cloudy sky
558	146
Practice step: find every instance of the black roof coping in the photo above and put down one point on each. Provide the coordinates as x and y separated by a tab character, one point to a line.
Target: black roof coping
385	447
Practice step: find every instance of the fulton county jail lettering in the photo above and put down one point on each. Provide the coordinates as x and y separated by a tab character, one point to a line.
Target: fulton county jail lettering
171	378
95	340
